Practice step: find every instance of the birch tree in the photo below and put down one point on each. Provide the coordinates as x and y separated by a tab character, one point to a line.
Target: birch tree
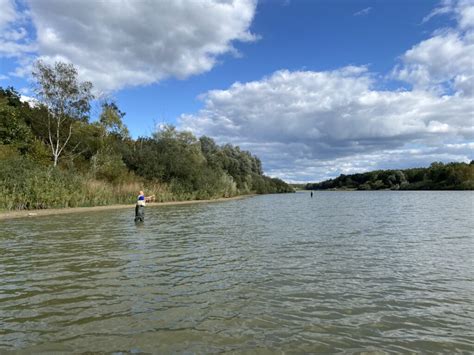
66	99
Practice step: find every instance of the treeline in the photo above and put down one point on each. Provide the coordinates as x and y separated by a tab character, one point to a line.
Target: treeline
438	176
51	155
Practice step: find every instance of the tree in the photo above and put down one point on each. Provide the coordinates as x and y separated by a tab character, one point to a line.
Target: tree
180	154
66	100
111	119
13	128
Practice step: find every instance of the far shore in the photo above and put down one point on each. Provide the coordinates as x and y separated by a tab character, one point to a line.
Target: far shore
6	215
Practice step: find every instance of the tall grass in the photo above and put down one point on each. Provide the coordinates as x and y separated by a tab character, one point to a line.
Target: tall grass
25	184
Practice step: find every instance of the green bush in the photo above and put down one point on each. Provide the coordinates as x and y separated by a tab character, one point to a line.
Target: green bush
101	164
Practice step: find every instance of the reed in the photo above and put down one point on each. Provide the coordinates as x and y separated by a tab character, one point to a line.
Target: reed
27	185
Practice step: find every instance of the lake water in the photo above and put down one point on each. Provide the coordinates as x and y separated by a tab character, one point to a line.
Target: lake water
344	272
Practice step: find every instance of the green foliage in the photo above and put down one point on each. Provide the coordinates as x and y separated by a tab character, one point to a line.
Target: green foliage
26	184
65	100
111	120
100	164
38	152
179	153
13	128
58	88
199	168
108	165
439	176
8	151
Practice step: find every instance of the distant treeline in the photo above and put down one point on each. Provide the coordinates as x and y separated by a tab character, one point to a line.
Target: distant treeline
52	156
439	176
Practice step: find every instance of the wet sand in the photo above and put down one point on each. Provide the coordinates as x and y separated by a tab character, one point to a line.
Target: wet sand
55	211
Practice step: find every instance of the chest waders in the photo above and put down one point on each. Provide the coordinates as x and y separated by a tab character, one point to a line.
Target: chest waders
139	213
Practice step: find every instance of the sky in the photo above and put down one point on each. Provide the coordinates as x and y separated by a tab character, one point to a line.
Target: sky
314	88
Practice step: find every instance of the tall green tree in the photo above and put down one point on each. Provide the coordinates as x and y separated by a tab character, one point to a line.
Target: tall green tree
66	100
13	128
111	119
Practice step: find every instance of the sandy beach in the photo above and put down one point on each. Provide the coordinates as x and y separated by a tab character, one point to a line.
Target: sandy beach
55	211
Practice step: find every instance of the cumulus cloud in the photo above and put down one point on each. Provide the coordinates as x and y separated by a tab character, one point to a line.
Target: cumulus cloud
313	170
123	43
298	120
14	41
308	125
304	125
443	62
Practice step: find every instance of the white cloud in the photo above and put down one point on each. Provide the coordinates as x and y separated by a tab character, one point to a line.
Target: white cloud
363	12
8	13
440	60
304	125
298	120
318	170
314	125
443	62
123	43
462	10
13	37
446	7
31	100
465	14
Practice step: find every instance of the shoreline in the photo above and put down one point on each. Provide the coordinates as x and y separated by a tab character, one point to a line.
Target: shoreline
7	215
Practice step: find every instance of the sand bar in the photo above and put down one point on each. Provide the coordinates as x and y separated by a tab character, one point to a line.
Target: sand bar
55	211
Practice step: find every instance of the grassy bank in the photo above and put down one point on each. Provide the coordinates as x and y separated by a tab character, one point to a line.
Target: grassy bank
27	185
438	176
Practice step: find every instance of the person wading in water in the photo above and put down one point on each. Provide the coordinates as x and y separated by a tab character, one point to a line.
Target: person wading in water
140	206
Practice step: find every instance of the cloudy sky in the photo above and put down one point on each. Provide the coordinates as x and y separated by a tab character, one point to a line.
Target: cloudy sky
315	88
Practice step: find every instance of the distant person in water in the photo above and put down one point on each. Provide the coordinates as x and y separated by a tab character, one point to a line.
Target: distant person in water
140	206
311	194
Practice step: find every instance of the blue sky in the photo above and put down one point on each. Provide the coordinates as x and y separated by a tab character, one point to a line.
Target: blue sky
305	34
314	88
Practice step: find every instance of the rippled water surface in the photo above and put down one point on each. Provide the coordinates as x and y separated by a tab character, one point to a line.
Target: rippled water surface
343	272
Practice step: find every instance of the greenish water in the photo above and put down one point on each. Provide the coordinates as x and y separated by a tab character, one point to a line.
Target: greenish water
343	272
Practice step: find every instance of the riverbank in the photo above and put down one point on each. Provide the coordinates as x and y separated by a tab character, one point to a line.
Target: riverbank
6	215
438	176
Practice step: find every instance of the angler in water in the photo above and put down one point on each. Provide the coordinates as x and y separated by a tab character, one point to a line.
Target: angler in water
140	206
